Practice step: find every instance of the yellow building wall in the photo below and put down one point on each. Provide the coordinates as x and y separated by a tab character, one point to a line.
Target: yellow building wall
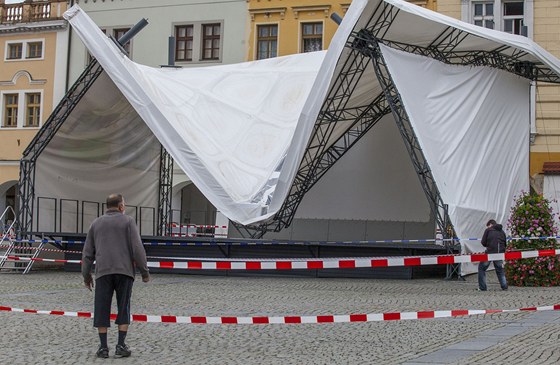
547	34
9	173
289	18
34	22
450	8
290	14
14	141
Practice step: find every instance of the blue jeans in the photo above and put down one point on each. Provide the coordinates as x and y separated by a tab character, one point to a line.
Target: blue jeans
499	266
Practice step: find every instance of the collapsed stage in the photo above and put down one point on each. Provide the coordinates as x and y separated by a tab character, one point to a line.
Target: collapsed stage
393	127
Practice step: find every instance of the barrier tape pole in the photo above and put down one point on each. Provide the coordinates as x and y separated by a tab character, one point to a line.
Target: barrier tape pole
344	318
329	263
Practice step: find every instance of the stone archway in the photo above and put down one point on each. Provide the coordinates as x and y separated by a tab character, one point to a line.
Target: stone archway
8	194
190	206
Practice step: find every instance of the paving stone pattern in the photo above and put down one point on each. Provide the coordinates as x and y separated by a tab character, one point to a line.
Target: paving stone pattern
512	338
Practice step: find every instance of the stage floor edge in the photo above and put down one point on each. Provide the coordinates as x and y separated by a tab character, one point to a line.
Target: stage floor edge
255	249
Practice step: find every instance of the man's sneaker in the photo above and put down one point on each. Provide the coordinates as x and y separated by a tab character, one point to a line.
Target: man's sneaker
122	351
103	352
480	289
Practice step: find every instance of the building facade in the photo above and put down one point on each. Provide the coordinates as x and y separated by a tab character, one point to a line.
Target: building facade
207	32
33	51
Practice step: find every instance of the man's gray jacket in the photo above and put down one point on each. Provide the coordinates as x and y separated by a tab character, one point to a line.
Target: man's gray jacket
114	243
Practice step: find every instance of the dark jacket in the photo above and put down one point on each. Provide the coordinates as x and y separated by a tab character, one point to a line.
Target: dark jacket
494	239
114	243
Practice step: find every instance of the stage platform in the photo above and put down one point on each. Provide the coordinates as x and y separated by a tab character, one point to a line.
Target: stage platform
178	249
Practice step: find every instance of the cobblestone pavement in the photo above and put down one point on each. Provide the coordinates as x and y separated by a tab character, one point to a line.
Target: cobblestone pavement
513	338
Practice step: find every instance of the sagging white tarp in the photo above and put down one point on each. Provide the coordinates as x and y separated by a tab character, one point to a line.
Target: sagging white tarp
473	126
238	131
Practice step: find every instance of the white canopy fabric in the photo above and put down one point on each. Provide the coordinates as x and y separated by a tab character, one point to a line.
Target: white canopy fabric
240	131
473	126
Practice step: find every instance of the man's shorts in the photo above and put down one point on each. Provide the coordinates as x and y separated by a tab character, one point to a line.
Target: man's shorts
105	286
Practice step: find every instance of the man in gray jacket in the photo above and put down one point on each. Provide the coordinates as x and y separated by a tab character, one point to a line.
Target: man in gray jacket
114	243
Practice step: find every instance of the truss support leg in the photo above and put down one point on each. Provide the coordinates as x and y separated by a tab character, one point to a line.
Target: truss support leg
370	46
165	192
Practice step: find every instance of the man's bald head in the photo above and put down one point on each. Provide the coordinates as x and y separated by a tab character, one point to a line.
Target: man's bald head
114	200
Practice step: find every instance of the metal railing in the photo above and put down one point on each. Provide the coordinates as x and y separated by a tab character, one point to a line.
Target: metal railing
32	12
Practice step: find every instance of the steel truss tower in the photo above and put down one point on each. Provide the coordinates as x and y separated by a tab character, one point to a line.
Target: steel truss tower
26	185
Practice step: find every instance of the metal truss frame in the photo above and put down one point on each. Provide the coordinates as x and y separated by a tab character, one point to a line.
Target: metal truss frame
419	161
26	186
363	46
318	159
165	191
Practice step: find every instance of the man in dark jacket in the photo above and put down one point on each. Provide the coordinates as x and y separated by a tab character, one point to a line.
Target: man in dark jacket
494	239
114	243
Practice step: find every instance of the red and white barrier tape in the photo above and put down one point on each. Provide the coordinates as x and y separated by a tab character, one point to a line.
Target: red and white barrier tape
198	235
328	263
175	225
348	263
344	318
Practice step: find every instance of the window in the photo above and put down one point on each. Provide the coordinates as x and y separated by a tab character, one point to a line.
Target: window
15	51
484	15
312	37
267	41
503	15
211	41
21	109
33	109
198	42
10	110
118	33
184	43
513	17
28	49
34	50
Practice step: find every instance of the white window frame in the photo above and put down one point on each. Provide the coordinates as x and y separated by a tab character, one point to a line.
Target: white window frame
22	108
197	41
484	17
24	52
300	33
467	13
